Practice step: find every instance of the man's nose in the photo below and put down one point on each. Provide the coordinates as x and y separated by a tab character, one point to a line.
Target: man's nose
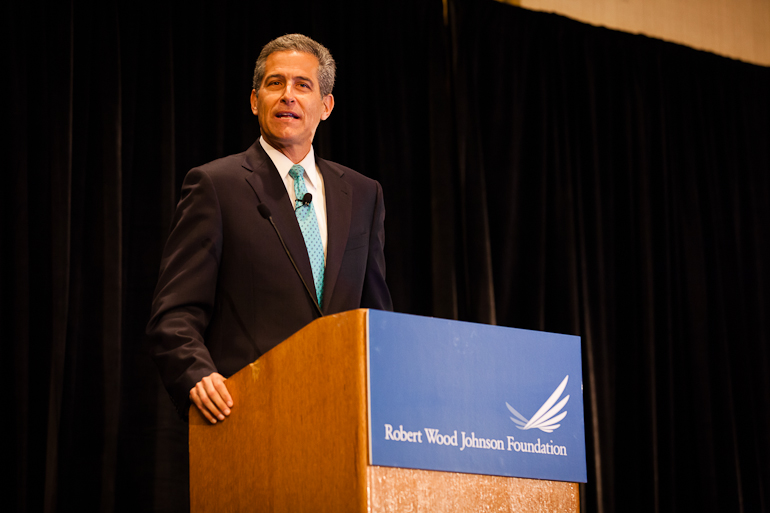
288	94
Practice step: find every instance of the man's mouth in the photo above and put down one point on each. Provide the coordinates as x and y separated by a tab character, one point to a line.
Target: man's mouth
287	115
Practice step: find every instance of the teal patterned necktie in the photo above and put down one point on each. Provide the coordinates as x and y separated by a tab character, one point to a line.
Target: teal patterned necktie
308	223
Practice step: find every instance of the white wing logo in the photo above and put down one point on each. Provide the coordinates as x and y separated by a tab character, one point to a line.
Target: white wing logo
546	418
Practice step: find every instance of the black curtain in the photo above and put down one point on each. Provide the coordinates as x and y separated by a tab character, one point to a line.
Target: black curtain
538	173
627	188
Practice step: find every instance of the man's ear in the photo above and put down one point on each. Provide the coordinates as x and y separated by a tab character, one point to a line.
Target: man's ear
328	106
253	100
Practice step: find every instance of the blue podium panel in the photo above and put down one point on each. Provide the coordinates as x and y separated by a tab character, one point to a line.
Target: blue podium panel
463	397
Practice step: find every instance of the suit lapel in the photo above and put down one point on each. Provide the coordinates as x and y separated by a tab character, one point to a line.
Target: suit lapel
339	203
270	190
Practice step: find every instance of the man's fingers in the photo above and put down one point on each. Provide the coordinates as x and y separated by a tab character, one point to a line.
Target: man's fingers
194	396
207	392
208	405
224	394
213	386
212	398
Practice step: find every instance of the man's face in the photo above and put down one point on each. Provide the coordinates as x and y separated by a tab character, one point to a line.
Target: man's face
289	103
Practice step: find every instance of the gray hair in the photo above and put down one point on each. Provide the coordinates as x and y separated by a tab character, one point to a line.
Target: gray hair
299	43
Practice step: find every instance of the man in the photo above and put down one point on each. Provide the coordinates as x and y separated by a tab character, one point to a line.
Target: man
227	291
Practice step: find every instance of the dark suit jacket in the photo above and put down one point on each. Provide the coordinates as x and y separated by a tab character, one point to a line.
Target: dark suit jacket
227	292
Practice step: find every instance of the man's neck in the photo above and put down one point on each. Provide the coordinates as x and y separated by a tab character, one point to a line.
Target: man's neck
284	163
295	153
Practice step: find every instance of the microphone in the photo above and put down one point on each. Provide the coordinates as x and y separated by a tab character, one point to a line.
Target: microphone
264	211
306	199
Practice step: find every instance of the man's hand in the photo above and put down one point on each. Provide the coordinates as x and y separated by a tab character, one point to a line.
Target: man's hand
211	397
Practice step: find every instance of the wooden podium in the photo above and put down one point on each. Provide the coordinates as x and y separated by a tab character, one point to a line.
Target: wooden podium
297	440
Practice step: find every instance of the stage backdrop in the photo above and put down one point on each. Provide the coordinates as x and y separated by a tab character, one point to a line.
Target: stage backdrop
538	173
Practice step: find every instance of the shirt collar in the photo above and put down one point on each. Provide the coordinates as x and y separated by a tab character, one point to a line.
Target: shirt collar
284	164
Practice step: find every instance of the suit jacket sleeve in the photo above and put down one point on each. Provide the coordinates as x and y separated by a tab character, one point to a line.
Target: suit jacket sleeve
184	296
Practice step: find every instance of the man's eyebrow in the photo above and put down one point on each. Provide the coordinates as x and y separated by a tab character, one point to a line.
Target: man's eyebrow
281	76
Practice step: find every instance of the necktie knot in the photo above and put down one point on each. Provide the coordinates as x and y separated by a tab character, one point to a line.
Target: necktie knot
296	171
